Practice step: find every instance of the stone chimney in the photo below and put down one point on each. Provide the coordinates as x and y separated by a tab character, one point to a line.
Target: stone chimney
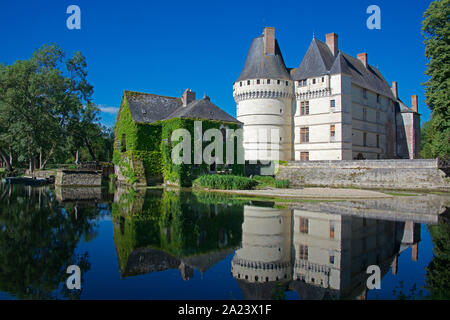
269	40
187	97
332	42
394	89
414	103
363	58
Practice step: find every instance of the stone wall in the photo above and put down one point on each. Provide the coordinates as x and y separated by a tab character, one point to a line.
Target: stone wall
386	174
80	178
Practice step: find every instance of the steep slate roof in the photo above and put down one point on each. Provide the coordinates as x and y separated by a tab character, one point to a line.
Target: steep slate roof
202	109
148	108
319	60
259	65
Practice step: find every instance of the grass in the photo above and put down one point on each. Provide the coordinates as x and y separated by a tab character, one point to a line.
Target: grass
225	182
269	181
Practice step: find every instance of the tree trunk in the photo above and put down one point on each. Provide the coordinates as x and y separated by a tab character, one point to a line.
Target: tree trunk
43	164
6	160
88	145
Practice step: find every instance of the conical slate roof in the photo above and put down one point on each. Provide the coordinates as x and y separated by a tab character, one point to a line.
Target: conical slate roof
259	65
317	61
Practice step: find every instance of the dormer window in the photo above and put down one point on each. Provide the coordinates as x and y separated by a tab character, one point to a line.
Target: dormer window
268	81
257	81
248	82
278	81
314	81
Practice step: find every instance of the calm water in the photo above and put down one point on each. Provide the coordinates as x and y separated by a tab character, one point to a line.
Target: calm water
167	244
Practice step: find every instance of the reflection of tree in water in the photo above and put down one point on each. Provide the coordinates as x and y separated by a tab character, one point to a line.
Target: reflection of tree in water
37	242
438	272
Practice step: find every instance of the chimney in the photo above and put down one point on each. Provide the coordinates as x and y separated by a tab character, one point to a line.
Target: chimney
363	58
332	42
414	104
187	97
269	40
394	89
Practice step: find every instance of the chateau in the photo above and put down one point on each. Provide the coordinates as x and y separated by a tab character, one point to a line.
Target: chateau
332	107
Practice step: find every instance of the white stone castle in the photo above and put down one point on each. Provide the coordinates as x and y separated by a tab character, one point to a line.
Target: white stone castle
332	107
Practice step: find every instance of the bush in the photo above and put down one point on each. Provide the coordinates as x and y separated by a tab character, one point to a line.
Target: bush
225	182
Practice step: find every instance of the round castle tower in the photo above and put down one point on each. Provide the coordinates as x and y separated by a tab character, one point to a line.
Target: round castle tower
265	254
264	101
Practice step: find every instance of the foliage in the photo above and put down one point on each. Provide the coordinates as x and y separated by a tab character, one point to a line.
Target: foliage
225	182
436	31
269	181
46	112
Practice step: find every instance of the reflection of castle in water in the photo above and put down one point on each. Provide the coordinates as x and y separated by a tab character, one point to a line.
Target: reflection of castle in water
310	249
319	255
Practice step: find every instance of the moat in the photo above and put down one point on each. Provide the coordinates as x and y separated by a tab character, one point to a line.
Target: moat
172	244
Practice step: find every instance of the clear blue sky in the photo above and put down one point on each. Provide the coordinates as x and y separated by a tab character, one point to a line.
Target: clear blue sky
163	47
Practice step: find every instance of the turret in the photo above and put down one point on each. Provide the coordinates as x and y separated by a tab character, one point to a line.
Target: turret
264	97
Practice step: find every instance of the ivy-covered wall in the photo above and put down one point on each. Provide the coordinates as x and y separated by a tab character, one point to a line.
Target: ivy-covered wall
143	151
184	174
137	148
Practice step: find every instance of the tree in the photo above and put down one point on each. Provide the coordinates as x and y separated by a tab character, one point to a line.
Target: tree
46	110
436	31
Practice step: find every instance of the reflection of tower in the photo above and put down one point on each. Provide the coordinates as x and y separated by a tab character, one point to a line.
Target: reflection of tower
266	246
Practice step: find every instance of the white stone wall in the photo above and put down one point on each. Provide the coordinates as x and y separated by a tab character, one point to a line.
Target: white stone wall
266	111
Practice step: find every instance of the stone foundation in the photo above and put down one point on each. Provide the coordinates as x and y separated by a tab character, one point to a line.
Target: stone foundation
78	178
376	174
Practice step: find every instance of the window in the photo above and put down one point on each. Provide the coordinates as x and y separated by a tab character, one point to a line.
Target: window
303	252
268	81
304	225
323	79
365	139
304	108
248	82
257	81
364	114
314	81
287	83
332	229
332	104
240	84
278	81
378	98
304	156
304	134
365	93
378	140
332	131
123	143
331	258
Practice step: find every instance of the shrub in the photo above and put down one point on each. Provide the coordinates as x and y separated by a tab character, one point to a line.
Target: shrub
269	181
225	182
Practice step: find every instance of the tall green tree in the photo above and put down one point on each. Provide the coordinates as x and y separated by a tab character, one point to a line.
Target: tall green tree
46	110
436	30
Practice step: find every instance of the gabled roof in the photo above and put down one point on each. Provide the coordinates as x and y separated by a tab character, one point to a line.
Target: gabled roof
202	109
148	108
259	65
319	60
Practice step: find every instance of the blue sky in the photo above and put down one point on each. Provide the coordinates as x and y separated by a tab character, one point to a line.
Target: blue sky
163	47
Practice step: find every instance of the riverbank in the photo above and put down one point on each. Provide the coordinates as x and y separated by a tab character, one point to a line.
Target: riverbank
311	193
